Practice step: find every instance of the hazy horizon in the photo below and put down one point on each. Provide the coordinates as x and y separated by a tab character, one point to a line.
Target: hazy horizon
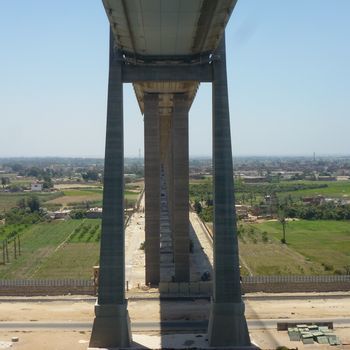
311	156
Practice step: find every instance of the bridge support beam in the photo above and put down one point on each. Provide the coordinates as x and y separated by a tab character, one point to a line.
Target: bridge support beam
111	326
152	188
227	324
180	198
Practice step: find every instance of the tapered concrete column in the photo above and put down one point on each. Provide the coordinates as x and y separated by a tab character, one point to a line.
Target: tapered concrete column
152	188
227	324
170	178
111	324
180	189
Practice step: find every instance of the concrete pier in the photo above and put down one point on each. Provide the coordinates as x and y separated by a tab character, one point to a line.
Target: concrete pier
111	326
152	188
227	324
180	189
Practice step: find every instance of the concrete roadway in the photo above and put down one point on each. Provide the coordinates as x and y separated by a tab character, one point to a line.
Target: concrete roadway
164	326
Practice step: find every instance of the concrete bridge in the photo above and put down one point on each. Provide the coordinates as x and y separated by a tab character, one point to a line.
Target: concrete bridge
166	48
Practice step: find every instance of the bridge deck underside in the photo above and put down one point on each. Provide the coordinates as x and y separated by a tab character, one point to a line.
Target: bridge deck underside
168	27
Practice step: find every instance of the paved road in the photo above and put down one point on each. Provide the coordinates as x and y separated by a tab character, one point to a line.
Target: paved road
165	326
138	296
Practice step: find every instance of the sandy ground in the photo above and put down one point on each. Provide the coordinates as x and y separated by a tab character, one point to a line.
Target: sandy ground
258	306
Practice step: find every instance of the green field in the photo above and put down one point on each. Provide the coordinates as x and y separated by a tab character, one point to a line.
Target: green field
87	232
334	189
322	246
75	197
10	200
82	192
43	254
38	242
8	231
72	261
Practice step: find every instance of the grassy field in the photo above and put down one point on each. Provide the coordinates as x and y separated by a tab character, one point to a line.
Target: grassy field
72	261
10	200
38	243
65	198
76	196
8	231
324	246
59	249
334	189
79	196
76	258
88	231
267	256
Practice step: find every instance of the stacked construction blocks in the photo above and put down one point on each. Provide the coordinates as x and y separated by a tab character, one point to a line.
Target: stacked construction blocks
309	334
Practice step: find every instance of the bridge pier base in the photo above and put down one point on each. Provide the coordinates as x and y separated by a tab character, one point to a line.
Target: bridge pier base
111	326
227	325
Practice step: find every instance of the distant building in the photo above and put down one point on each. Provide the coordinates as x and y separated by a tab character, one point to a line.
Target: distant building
94	213
36	187
242	211
61	214
253	179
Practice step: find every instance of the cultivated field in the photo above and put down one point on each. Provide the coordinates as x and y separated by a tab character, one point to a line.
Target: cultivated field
270	257
74	197
320	242
68	196
60	249
313	248
334	189
38	243
10	200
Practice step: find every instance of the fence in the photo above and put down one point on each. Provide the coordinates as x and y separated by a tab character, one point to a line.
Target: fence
271	284
46	287
46	283
297	279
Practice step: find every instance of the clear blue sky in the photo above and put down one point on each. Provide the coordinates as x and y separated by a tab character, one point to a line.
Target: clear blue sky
288	67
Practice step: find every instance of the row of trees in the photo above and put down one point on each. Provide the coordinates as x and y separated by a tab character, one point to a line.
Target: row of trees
327	211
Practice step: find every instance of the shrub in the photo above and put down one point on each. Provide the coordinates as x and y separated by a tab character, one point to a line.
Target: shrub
328	267
264	237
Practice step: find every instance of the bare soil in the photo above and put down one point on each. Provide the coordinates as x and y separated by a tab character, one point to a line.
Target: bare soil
258	306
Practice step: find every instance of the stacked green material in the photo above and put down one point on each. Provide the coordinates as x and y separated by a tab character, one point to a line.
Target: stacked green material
307	338
322	340
333	339
294	334
309	334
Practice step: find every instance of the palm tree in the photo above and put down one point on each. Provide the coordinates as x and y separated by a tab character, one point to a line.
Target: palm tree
283	221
